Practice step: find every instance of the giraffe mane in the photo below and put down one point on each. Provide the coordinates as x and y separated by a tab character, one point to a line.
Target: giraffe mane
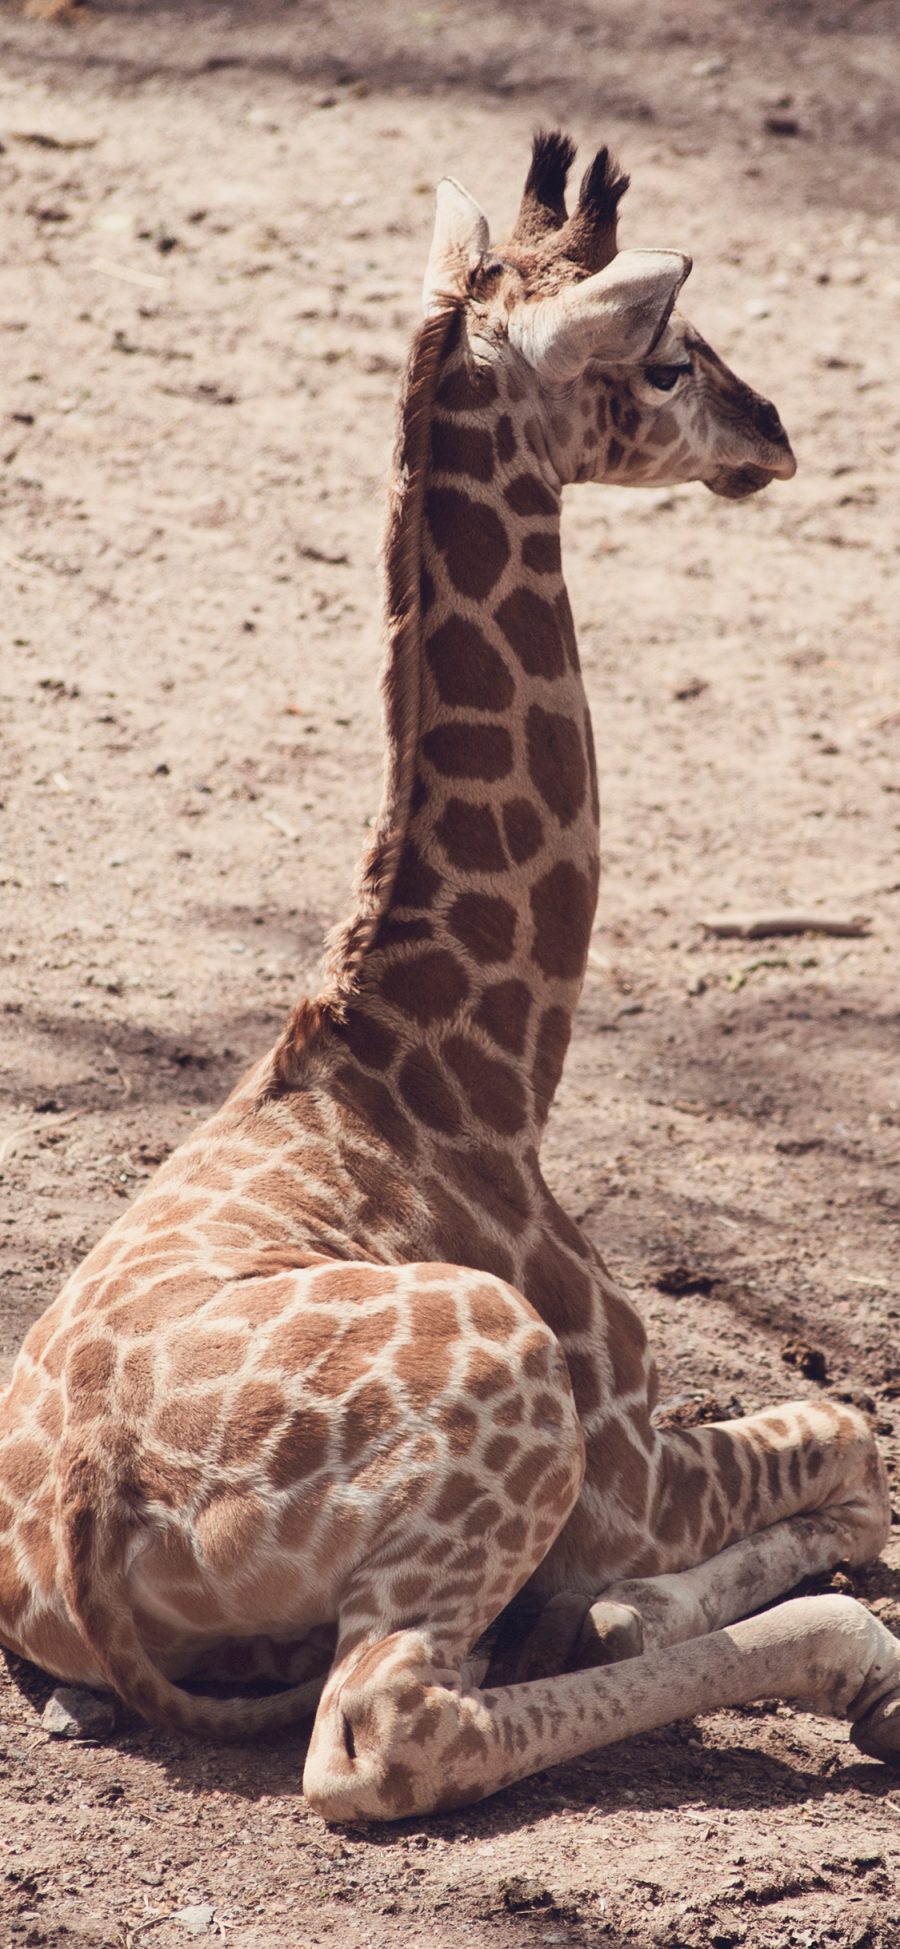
349	942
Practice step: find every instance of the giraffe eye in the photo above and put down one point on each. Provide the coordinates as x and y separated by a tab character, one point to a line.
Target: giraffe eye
664	377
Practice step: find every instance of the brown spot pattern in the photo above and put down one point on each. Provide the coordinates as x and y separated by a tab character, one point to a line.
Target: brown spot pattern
503	1013
89	1370
193	1356
257	1411
492	1315
471	538
462	450
489	1178
505	435
499	1451
470	837
416	883
469	750
558	1288
427	1093
460	1236
541	552
523	829
493	1087
466	388
552	1041
625	414
486	1374
563	611
188	1421
24	1466
370	1040
528	495
469	672
585	1382
556	762
562	905
592	766
397	933
423	1369
627	1343
512	1535
531	628
429	987
375	1105
300	1449
14	1592
349	1361
371	1411
486	926
456	1497
524	1476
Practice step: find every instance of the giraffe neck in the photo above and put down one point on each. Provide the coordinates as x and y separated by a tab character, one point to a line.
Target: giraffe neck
479	945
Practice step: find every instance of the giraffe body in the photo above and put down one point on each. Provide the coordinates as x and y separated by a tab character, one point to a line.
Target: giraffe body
346	1386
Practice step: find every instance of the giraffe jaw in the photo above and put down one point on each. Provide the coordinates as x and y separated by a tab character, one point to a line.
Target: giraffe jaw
738	483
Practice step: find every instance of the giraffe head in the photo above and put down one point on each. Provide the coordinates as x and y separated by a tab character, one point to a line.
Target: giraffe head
618	385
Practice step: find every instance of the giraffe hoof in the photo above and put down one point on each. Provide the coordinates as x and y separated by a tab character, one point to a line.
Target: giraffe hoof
610	1632
549	1645
877	1734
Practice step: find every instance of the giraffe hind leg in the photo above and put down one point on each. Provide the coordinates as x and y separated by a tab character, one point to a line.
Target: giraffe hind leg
786	1494
568	1633
729	1480
742	1578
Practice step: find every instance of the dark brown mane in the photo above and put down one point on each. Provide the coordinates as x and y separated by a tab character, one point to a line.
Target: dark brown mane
351	940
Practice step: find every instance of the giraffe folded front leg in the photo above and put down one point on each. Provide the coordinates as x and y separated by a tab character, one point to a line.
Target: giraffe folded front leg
399	1734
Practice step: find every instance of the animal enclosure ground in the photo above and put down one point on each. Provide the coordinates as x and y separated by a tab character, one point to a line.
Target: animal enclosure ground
216	221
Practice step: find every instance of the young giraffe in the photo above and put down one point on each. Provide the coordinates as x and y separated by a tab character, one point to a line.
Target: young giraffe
346	1379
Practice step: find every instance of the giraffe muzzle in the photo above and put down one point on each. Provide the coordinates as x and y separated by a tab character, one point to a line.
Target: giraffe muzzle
738	483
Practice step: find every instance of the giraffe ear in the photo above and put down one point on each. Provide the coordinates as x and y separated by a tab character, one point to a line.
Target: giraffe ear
617	316
461	237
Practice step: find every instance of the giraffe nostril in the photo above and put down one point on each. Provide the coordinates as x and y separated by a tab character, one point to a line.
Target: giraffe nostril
768	421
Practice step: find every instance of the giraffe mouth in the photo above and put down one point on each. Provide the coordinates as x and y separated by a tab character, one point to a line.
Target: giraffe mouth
737	483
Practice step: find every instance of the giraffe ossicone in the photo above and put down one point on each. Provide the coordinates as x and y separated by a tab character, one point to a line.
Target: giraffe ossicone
345	1389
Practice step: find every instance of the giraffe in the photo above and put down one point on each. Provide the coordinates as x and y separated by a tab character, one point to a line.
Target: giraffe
346	1389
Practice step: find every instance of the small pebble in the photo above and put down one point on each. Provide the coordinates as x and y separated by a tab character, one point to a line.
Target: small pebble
196	1918
71	1713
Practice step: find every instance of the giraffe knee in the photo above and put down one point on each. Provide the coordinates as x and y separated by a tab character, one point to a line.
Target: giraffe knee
862	1505
388	1752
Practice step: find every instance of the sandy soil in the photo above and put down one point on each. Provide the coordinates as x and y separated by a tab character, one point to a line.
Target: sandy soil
216	220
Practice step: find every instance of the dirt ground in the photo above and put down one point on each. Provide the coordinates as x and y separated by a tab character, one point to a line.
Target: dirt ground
216	220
